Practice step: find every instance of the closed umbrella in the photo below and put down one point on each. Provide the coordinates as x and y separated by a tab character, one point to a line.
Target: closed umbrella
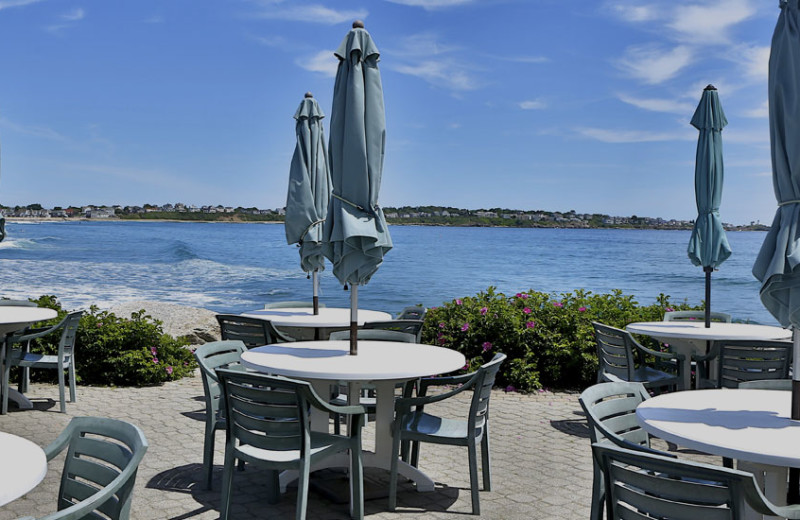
309	191
708	245
777	262
356	237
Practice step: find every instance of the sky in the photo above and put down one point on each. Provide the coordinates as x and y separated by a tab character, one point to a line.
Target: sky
519	104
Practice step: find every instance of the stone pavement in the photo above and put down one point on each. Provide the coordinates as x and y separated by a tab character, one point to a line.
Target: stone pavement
540	460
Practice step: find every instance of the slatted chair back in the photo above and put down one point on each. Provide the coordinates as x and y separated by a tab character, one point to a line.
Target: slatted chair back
409	326
614	354
253	332
415	312
738	361
375	334
99	469
717	317
482	391
767	384
642	485
210	357
611	412
66	345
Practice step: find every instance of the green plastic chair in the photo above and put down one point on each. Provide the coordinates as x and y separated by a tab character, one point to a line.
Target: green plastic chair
17	303
99	469
767	384
291	305
415	312
409	326
718	317
736	361
643	485
375	334
622	358
413	424
64	360
269	425
211	356
611	412
253	332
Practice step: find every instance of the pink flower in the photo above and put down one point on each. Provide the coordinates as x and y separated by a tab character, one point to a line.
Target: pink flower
154	351
441	325
558	304
530	324
440	335
465	367
524	296
581	309
526	310
518	295
484	310
692	318
487	346
155	360
169	370
465	327
669	309
459	302
442	341
510	388
99	324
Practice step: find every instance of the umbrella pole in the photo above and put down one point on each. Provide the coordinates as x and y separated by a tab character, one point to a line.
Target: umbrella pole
708	295
793	496
315	284
353	319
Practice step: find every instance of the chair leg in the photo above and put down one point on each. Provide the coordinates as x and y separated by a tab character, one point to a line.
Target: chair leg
304	475
393	471
227	484
473	477
73	394
4	389
273	486
24	380
62	391
598	493
415	453
208	453
356	482
486	460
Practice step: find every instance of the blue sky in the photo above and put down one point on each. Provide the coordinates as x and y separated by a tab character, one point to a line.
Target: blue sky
526	104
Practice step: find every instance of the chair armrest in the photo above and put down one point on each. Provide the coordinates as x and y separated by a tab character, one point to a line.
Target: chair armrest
656	353
405	403
58	445
35	333
441	381
713	352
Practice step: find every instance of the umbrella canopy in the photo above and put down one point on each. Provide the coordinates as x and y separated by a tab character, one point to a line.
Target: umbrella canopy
309	186
355	232
708	245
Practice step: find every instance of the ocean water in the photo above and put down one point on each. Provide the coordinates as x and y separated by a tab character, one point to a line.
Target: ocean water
236	267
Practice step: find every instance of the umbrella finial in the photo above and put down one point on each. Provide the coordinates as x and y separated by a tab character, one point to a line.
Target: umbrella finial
710	87
358	24
309	95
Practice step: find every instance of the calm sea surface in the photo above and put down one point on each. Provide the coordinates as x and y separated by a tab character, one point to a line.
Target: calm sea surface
237	267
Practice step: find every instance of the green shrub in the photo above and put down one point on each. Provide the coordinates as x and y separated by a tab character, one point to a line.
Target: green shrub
548	339
110	350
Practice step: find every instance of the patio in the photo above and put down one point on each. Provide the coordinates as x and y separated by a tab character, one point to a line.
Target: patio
540	447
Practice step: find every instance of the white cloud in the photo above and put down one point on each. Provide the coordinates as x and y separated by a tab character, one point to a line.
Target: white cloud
5	4
760	112
607	135
635	13
440	73
271	41
523	59
323	62
658	105
533	104
312	13
156	18
654	65
74	15
35	131
425	56
755	61
710	22
432	4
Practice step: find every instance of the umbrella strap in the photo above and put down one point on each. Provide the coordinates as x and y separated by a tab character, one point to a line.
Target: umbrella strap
305	232
360	208
788	202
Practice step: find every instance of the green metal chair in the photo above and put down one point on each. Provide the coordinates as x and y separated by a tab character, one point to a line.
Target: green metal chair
622	358
611	412
99	469
719	317
64	360
211	356
415	312
733	362
269	425
409	326
253	332
413	424
291	305
643	485
767	384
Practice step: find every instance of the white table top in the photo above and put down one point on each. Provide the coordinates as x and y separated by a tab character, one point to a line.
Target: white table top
750	425
331	360
332	317
22	466
697	330
14	318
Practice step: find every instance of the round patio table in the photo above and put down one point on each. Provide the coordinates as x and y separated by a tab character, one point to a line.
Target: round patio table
751	426
23	465
322	324
13	318
381	363
692	337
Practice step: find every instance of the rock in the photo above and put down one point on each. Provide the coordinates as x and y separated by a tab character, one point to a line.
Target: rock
197	325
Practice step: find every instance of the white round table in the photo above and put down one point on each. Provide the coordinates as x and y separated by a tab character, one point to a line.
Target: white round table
13	318
382	363
334	318
747	425
691	337
22	466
